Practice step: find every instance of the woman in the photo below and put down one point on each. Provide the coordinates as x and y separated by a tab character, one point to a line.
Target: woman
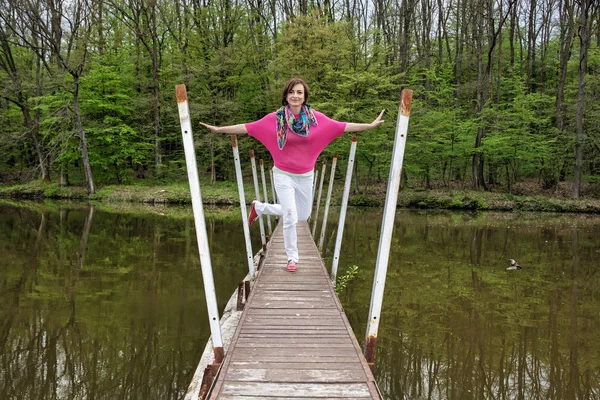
295	135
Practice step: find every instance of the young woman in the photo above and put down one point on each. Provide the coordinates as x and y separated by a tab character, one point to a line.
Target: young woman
295	135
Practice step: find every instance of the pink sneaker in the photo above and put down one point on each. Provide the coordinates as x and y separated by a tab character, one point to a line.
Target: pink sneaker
253	215
291	266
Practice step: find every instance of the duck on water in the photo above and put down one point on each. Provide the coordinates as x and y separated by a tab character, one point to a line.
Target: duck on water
513	265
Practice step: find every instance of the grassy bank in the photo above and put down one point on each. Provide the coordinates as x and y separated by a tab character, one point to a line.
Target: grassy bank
225	193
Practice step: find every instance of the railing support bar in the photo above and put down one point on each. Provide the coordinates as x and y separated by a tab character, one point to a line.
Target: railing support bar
264	184
263	239
314	230
329	191
242	194
344	206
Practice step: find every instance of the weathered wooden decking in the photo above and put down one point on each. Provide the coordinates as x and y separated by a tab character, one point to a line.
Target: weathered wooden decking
294	340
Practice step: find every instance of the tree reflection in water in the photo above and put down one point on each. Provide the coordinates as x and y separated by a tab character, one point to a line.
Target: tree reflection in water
106	305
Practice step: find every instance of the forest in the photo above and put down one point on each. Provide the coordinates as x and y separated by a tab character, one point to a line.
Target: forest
504	91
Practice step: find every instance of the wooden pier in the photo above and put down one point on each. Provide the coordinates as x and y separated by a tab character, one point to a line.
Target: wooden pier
294	340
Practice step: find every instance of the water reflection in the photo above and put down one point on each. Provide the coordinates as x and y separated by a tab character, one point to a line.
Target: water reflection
456	325
106	305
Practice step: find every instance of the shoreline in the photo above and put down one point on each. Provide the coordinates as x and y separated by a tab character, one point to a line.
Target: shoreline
225	194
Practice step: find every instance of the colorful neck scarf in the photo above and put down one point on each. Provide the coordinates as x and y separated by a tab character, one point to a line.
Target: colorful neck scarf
300	126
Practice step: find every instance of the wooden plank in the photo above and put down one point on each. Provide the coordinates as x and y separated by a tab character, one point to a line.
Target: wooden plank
303	341
297	390
295	352
295	365
238	397
295	304
295	375
293	296
290	320
279	359
294	286
296	330
252	311
259	345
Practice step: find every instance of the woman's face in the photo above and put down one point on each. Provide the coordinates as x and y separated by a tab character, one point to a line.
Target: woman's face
295	96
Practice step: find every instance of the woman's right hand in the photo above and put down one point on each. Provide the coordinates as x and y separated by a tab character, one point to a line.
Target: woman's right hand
212	128
234	129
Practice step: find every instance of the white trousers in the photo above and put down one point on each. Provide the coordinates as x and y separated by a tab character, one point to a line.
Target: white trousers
295	204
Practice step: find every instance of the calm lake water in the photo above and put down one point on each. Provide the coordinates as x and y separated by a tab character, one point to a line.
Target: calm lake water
100	303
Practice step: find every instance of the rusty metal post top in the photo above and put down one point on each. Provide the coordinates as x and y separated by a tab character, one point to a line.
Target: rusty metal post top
260	162
251	153
234	140
181	93
354	138
405	102
335	155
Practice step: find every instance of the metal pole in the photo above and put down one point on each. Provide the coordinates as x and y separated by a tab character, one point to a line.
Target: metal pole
257	194
240	183
273	187
389	213
201	236
264	183
340	231
315	185
314	231
329	190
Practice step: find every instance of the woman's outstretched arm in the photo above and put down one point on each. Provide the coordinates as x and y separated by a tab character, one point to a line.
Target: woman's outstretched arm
235	129
352	127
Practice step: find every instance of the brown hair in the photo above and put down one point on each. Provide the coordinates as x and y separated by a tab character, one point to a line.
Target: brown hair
289	85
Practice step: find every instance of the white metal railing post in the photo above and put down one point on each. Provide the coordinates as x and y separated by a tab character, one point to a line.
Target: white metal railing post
385	239
263	239
314	231
198	209
273	187
314	189
344	206
240	184
264	183
329	191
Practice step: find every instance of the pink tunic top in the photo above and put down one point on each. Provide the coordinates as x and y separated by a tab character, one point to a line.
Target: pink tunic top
299	153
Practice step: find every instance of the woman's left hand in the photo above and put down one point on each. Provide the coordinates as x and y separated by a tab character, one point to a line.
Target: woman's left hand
378	120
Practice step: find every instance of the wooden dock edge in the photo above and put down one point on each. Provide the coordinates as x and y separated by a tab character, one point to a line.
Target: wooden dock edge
216	383
229	322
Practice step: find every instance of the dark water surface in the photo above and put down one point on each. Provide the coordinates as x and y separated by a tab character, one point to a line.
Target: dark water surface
105	304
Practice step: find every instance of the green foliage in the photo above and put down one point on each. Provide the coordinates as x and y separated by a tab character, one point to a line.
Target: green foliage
234	59
450	200
360	200
342	281
108	102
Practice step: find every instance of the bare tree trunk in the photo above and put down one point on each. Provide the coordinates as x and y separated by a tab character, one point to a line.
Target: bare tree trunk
567	29
586	9
82	140
531	45
30	124
461	34
100	23
511	38
483	86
